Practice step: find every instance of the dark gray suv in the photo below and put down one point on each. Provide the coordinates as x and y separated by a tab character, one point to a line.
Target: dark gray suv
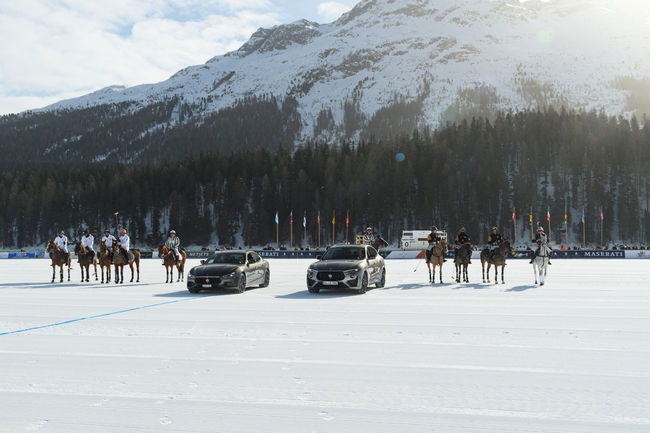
231	269
347	267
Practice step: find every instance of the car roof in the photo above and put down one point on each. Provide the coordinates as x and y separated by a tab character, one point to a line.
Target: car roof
233	251
349	246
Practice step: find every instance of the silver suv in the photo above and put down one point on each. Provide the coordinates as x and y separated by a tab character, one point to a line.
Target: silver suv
347	267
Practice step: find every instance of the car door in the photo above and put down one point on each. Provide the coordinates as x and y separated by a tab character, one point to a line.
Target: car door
259	267
373	263
253	268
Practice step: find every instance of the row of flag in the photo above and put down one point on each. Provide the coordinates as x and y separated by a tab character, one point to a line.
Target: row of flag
548	216
304	219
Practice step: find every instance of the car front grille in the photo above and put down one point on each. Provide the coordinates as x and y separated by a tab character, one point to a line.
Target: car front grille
330	276
208	280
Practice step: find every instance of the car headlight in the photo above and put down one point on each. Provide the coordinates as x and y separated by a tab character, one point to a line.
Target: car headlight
231	275
352	272
191	276
312	273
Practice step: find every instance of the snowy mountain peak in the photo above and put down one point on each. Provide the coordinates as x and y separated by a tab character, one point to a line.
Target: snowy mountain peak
423	62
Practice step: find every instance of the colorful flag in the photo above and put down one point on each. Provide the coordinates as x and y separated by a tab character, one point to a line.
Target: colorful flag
304	220
548	215
583	216
291	218
530	217
277	221
565	217
602	217
347	219
514	217
333	219
318	219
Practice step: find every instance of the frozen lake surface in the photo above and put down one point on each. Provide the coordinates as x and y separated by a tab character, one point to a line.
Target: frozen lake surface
572	356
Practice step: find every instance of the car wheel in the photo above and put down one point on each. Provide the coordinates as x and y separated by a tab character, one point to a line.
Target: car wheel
267	279
314	290
382	281
241	288
193	290
364	283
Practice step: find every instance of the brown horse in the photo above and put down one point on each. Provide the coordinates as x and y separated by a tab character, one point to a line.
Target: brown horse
499	257
58	259
437	259
119	261
104	260
169	262
85	260
463	258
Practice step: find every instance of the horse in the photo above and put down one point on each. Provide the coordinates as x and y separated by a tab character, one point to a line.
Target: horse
437	258
85	260
540	264
119	261
497	259
58	259
104	259
463	258
170	262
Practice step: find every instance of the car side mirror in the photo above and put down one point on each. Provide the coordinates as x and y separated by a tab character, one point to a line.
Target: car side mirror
319	257
203	262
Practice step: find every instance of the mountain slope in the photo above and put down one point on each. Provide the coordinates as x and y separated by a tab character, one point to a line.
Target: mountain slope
388	66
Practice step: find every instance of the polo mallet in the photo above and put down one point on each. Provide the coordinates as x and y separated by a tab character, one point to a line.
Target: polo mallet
117	224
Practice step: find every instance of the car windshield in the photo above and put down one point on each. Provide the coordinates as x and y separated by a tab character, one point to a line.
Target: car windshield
228	258
345	253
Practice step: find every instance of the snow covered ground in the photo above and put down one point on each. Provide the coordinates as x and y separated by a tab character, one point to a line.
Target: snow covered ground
573	356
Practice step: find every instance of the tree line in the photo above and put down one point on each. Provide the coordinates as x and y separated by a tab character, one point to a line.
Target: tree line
472	174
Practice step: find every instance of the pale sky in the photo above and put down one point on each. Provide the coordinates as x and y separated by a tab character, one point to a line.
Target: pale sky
57	49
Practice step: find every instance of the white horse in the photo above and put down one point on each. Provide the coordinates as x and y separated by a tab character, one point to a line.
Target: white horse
540	264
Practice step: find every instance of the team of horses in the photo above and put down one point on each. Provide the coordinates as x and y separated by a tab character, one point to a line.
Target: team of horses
496	258
105	258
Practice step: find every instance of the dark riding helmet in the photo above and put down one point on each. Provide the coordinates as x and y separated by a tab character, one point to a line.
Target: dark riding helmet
107	231
86	232
434	228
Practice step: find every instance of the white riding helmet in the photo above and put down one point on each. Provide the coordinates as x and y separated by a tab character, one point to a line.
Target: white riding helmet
172	232
540	229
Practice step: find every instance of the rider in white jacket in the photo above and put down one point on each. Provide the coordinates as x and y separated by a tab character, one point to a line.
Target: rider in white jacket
173	243
124	243
88	241
62	242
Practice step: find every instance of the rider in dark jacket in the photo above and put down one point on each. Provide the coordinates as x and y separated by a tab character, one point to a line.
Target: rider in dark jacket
433	239
461	238
494	241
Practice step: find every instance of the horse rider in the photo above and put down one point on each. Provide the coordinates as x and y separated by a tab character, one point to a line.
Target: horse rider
494	241
461	238
62	242
87	241
369	237
541	240
433	239
108	240
124	243
173	243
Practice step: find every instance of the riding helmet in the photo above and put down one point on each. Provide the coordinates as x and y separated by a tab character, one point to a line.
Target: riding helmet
540	229
172	232
494	229
434	228
368	229
123	231
462	229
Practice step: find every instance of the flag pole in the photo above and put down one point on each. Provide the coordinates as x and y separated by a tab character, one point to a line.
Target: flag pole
319	230
602	220
347	225
333	226
548	218
566	224
304	226
584	231
277	231
291	231
514	226
530	218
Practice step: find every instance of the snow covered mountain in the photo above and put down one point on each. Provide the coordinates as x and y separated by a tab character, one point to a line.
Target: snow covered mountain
391	64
